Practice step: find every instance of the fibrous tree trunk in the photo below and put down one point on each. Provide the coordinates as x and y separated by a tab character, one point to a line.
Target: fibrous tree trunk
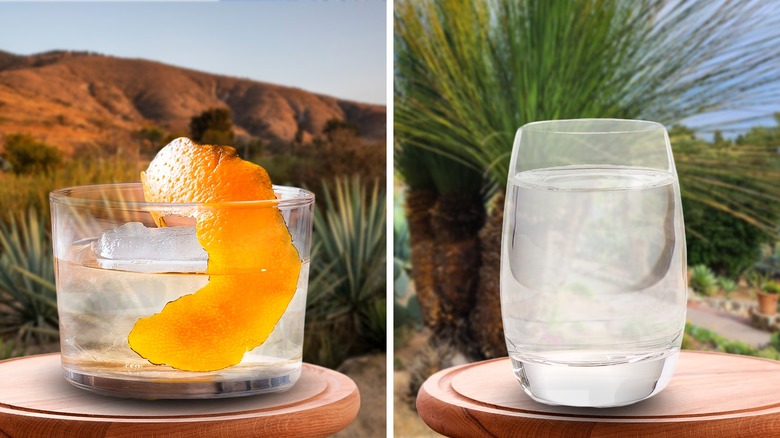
418	207
485	320
455	220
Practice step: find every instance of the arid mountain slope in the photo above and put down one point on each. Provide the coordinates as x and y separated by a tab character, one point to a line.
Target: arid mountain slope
70	99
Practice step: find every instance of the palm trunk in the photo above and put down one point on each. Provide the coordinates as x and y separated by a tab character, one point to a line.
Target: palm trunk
418	206
485	321
456	219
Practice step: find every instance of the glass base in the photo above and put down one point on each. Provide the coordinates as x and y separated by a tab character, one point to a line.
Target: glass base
606	384
187	389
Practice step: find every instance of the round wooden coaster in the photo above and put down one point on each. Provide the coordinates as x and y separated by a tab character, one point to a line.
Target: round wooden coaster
711	394
36	400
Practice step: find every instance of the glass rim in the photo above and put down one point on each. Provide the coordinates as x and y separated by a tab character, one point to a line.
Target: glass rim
641	126
65	196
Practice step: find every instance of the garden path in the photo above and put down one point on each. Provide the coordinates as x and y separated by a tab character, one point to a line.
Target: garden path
726	325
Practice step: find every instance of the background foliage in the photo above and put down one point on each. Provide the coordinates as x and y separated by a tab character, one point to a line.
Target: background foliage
469	73
346	308
529	60
24	155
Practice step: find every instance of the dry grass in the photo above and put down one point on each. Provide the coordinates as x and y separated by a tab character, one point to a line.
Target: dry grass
18	193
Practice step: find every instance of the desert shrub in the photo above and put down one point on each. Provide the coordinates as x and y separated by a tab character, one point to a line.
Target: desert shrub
703	280
333	126
345	313
249	147
213	126
339	151
325	159
27	155
151	139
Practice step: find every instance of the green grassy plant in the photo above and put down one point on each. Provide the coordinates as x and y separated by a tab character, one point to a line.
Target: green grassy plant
28	305
345	313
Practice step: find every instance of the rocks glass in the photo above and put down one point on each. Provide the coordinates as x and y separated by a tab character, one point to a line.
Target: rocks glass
114	266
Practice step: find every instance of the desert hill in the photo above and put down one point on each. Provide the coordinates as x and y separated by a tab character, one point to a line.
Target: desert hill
71	99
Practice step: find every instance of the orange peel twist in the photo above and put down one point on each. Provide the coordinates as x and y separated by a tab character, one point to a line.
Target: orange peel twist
253	266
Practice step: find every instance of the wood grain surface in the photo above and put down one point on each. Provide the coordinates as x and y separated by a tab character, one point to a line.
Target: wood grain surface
37	401
710	395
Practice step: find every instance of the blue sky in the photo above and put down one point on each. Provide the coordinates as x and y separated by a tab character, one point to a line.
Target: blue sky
336	48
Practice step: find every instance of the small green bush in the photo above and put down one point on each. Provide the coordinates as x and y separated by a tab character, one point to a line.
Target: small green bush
722	344
703	280
727	285
27	155
774	341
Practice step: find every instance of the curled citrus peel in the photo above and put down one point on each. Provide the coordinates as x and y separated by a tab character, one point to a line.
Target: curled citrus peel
253	266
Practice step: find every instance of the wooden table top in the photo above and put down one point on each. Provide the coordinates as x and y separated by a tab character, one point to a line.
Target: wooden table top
710	394
36	400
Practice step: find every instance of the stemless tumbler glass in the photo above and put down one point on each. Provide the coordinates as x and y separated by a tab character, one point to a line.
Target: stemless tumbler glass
593	285
114	266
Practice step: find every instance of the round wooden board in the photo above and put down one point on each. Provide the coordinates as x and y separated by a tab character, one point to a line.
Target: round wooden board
36	400
711	394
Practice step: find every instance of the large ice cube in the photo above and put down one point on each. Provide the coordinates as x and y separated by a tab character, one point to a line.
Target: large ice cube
134	247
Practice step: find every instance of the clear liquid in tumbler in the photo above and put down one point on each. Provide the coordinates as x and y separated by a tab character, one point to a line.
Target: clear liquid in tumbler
592	283
98	308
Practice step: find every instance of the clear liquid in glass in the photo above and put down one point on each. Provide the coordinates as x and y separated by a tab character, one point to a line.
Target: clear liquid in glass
592	290
98	308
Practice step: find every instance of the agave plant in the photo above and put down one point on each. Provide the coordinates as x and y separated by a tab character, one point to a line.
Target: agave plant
727	285
9	349
703	280
345	313
28	304
470	72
